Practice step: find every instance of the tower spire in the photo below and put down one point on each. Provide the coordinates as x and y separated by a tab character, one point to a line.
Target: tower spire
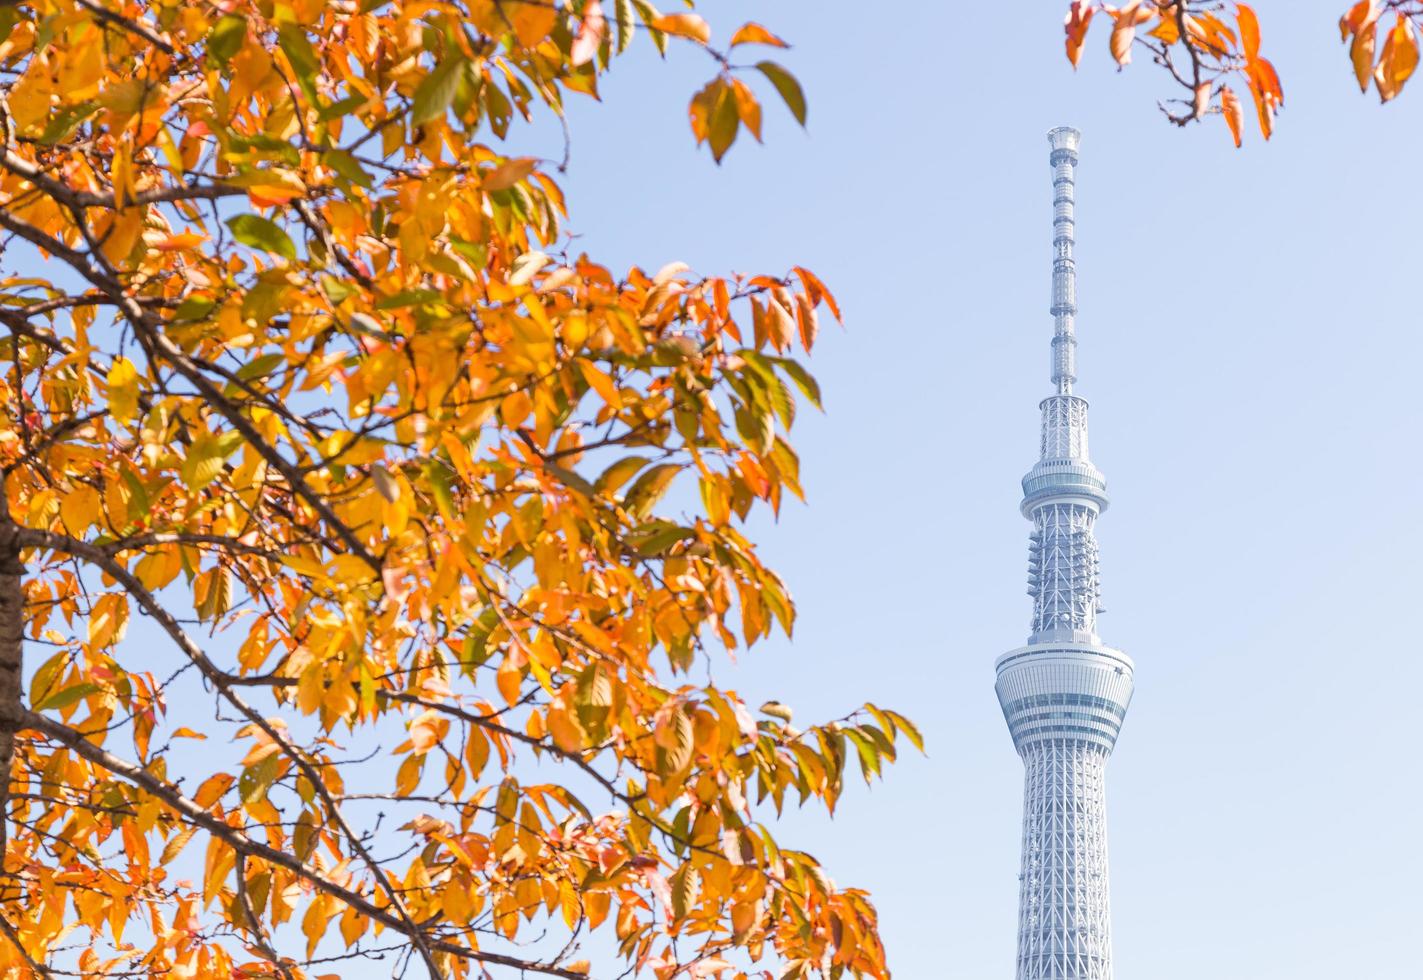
1064	141
1064	694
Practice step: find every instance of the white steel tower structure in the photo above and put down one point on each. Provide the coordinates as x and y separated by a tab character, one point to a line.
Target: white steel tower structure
1065	694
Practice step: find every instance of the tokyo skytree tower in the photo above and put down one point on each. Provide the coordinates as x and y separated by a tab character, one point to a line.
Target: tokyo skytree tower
1064	695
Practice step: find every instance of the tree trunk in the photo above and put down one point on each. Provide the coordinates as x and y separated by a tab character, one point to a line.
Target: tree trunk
12	632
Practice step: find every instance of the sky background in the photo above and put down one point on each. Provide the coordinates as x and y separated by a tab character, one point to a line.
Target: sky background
1250	344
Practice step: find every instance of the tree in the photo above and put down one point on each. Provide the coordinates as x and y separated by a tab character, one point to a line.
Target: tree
305	380
1205	45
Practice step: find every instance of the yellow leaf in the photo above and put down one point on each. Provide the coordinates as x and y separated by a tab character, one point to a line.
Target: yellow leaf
108	620
79	509
601	383
121	176
123	390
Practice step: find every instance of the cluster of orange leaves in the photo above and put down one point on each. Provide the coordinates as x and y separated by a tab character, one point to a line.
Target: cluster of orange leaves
1391	68
1218	40
1200	50
304	379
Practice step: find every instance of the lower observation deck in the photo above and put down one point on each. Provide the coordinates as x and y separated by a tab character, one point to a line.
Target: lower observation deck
1064	691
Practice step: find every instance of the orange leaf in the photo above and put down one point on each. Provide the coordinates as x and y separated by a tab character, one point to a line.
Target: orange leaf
509	173
683	25
751	33
1124	29
1360	14
1233	111
1249	31
747	108
1079	16
817	292
178	242
1400	58
1265	87
1168	31
1362	22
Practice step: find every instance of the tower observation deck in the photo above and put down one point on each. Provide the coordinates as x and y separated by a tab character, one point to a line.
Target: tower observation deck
1064	694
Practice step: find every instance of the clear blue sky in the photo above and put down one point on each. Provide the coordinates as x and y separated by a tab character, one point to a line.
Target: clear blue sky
1250	343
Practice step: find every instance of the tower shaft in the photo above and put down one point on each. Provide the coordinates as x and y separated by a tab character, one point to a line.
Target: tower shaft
1064	694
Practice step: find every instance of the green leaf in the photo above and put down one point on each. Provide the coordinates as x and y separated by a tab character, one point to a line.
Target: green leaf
336	290
439	479
407	297
649	488
65	123
338	109
437	91
226	37
476	252
653	539
808	386
787	85
649	13
626	25
260	367
722	122
345	165
193	308
69	695
256	780
255	231
303	59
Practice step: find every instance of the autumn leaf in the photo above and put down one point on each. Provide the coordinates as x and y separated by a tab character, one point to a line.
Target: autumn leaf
1249	26
1079	18
509	173
123	390
1124	24
752	33
684	25
1233	111
1398	61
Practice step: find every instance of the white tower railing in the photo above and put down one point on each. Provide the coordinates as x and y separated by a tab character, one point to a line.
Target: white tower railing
1064	695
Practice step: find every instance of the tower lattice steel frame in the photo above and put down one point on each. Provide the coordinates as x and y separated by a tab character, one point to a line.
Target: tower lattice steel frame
1064	694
